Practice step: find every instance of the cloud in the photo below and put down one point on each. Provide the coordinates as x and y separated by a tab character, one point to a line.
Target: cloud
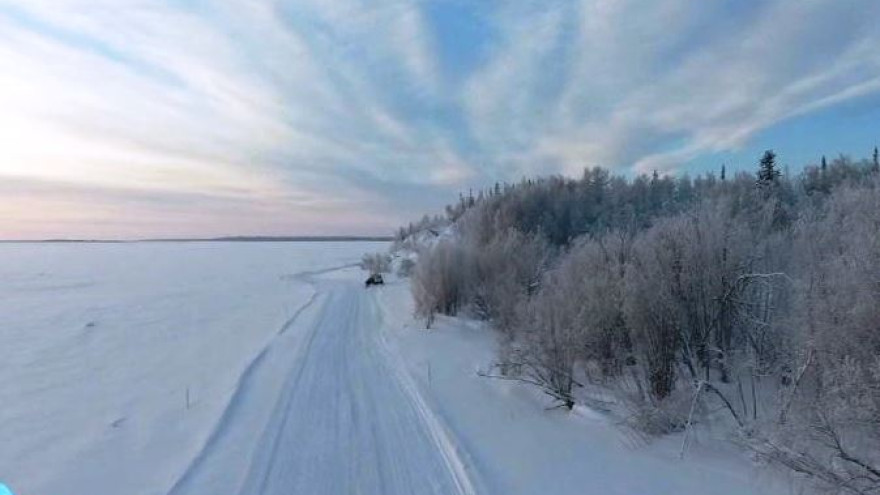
284	117
655	85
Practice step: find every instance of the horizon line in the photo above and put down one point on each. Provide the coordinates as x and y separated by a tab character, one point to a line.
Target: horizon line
257	238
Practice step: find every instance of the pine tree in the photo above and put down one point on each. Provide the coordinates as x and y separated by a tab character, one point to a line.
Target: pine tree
723	172
824	182
767	173
876	160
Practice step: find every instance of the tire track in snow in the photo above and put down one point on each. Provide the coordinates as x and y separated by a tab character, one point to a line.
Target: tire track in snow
236	399
351	420
442	438
262	468
345	418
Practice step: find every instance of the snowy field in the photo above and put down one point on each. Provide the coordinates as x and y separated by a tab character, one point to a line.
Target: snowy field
267	369
102	344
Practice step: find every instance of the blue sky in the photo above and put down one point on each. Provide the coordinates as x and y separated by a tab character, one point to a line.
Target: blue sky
135	118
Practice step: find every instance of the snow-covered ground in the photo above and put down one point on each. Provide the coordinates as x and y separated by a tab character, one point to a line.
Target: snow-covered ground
345	419
514	445
259	369
118	360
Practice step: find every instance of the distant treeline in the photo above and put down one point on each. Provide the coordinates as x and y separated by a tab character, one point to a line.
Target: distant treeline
757	295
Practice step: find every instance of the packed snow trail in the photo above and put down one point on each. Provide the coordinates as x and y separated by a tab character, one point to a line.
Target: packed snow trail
347	421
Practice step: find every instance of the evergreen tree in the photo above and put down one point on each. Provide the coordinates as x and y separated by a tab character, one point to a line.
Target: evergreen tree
767	173
723	172
824	164
876	160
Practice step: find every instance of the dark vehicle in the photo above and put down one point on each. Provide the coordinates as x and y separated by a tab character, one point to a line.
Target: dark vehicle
375	279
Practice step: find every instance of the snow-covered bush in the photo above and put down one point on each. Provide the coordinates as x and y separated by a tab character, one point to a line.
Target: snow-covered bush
485	280
829	419
506	271
440	280
376	263
405	267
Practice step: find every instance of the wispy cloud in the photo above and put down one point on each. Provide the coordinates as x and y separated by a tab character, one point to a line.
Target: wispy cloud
150	118
653	85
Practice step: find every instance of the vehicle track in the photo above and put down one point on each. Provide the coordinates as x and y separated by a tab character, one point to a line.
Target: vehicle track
346	418
348	423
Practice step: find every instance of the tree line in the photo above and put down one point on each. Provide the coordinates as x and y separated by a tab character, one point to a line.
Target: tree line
756	295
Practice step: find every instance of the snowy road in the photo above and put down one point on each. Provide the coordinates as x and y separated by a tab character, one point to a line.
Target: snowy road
348	419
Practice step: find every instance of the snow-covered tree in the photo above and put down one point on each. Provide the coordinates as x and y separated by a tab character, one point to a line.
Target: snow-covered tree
768	173
685	297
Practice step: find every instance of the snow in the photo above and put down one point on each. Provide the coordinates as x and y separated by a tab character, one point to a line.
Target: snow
515	445
101	343
344	421
299	379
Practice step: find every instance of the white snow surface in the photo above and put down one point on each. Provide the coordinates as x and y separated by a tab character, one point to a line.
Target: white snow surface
515	443
101	342
266	369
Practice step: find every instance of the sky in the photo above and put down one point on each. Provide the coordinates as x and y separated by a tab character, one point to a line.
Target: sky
126	119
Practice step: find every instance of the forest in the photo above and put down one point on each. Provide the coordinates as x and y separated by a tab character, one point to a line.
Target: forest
749	300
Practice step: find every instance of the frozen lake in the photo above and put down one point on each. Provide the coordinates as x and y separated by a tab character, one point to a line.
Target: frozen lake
119	358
